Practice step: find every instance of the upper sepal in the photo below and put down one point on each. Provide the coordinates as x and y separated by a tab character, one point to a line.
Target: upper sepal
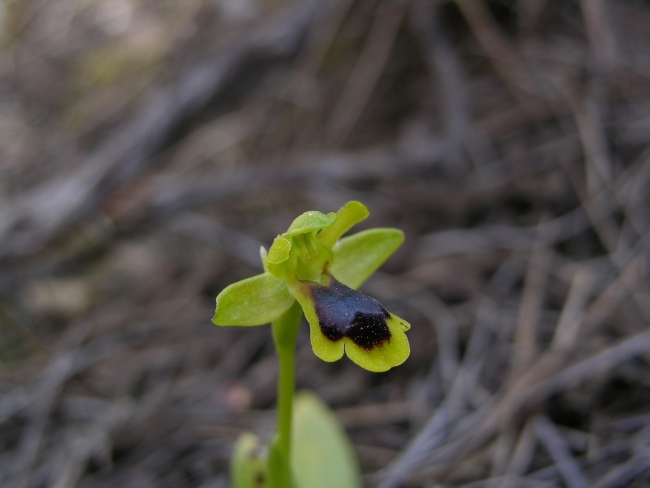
298	254
310	222
358	256
254	301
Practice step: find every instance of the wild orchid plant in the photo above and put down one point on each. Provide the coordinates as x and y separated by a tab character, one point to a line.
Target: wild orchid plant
311	269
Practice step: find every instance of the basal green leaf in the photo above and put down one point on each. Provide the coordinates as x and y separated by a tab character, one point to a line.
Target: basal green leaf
254	301
309	222
358	256
248	467
322	456
350	214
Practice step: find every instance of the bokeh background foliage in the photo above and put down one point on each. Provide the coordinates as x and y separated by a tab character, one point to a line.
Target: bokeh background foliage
148	148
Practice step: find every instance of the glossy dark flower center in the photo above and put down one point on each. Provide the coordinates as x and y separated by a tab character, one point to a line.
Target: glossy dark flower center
344	312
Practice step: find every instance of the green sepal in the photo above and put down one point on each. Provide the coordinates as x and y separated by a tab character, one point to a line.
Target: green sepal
358	256
248	467
254	301
278	468
350	214
309	222
322	456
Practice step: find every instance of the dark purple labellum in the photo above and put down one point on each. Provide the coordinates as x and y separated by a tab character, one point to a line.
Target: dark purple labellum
344	312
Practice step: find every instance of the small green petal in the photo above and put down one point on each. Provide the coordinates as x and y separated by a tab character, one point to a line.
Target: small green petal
279	251
309	222
254	301
358	256
350	214
386	356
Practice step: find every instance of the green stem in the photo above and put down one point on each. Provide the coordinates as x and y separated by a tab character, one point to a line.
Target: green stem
286	385
285	332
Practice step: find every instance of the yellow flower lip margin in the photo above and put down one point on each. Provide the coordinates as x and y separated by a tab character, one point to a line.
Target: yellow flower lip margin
312	264
342	319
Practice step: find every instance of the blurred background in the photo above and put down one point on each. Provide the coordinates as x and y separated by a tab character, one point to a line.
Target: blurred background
149	148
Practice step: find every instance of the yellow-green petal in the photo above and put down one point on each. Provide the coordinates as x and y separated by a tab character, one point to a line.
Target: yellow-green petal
254	301
279	251
350	214
358	256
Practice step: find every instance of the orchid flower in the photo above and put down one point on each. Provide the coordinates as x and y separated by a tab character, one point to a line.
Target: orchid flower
312	263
